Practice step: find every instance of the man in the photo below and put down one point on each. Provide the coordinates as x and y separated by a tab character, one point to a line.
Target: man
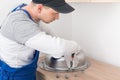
22	37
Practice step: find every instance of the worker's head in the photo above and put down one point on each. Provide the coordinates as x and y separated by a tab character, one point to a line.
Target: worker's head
48	10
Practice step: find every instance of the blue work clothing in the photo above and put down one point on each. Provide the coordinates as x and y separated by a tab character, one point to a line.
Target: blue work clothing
27	72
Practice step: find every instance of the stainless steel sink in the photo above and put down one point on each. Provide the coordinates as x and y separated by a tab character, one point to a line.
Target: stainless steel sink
40	76
59	64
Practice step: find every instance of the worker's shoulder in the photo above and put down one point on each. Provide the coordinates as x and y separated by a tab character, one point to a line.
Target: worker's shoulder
18	15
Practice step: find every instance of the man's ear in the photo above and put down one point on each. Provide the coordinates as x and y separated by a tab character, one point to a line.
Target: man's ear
39	7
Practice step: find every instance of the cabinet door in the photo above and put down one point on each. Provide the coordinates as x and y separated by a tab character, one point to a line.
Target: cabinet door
77	0
104	0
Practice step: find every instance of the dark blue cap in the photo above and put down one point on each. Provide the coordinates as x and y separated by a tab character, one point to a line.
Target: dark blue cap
59	5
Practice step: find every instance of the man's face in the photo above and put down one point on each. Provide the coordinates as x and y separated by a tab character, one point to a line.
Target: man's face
48	15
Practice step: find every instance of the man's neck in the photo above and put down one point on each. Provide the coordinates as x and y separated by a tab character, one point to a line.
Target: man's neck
32	13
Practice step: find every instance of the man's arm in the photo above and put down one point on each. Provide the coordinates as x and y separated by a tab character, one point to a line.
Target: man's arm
52	45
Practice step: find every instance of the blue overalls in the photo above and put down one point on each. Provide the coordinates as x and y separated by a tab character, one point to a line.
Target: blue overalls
27	72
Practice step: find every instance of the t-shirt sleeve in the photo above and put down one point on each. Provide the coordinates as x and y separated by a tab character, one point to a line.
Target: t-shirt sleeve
24	29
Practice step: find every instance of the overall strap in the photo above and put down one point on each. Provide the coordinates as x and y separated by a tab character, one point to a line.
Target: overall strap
20	8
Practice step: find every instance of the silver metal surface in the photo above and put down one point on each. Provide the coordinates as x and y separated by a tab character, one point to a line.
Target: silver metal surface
56	63
61	66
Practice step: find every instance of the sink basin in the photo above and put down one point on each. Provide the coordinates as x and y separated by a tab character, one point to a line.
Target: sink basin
59	64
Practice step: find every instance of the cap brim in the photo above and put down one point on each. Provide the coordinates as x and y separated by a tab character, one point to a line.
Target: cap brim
66	8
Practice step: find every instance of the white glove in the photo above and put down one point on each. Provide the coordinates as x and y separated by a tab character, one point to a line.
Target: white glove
73	48
79	59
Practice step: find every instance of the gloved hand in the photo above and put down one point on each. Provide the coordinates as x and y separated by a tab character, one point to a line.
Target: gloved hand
73	56
79	59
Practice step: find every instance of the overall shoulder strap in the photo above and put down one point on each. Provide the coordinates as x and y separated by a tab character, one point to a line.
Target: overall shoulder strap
19	7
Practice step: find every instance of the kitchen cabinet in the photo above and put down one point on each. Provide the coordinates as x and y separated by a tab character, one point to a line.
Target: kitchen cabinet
92	0
77	0
104	0
97	71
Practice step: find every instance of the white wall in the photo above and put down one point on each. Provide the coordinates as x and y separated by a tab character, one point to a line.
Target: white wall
63	26
96	27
